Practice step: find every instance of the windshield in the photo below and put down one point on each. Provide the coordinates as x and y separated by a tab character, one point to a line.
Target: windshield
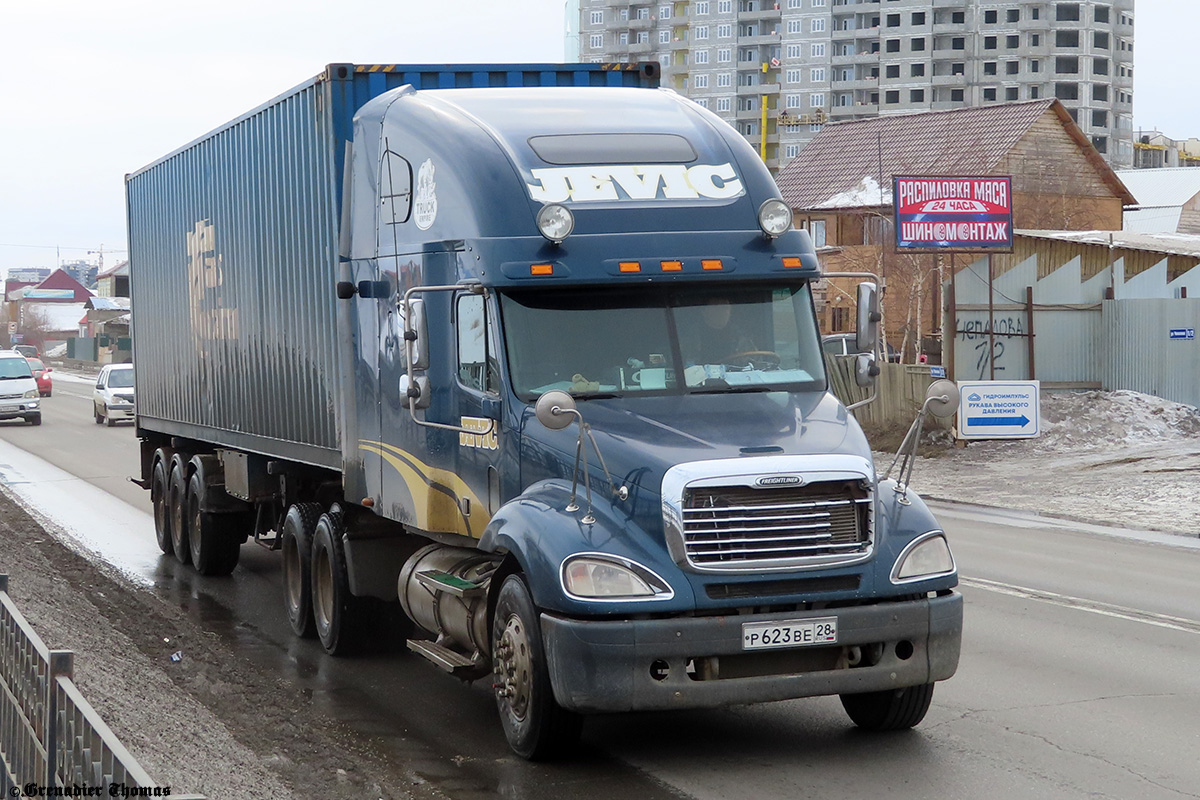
663	340
14	368
36	365
120	379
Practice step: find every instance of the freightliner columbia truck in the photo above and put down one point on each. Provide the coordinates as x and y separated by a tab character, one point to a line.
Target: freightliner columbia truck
530	352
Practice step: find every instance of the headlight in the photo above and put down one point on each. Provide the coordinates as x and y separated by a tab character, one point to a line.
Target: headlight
774	217
32	393
926	557
555	222
599	577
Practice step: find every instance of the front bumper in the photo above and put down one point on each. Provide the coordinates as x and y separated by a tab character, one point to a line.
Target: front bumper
11	409
606	666
120	411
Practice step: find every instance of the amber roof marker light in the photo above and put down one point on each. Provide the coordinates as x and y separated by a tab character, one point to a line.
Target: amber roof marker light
555	222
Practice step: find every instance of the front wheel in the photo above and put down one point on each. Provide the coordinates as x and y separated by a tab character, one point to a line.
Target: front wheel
34	419
536	726
890	710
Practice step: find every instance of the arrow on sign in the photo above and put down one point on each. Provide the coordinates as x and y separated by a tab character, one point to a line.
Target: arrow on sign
1020	421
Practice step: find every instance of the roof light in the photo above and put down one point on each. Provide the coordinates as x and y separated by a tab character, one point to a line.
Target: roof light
541	269
792	262
671	266
555	221
711	263
774	217
630	266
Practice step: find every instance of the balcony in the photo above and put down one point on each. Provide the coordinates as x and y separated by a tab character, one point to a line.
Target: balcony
765	15
758	88
857	58
856	83
759	40
641	24
864	33
849	112
680	44
949	80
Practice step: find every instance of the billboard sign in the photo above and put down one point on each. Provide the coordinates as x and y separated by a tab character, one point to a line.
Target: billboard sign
942	212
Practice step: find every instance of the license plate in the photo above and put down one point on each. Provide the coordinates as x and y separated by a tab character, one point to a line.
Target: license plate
789	633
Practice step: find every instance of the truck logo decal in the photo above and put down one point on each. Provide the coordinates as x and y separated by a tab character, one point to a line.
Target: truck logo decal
642	182
210	313
436	494
481	435
425	203
779	480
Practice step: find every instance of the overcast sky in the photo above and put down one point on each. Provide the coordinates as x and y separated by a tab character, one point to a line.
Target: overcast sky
92	90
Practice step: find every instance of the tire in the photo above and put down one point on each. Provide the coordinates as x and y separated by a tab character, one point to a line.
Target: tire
176	508
34	419
337	614
158	500
96	413
536	726
108	420
891	710
211	543
299	527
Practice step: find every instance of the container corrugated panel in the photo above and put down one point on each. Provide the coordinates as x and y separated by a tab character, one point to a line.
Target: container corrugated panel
233	259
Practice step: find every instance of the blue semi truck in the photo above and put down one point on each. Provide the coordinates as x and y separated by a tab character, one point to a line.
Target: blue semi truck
530	353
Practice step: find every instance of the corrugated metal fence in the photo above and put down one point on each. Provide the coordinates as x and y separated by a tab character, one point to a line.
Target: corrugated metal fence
50	736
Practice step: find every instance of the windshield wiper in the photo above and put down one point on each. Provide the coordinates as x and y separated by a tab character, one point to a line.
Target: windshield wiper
596	396
13	377
757	387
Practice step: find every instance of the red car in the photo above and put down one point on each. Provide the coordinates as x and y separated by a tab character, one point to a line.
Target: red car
41	373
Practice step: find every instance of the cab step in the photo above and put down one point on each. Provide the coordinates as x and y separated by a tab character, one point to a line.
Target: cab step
448	660
450	584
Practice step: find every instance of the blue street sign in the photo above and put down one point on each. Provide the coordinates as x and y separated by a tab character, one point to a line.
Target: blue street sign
999	409
937	372
1183	333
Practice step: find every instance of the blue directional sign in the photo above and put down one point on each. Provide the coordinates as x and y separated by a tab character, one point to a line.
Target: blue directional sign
999	409
1183	333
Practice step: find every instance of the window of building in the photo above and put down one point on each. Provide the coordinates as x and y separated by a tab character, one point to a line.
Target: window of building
916	96
1035	40
795	26
1066	65
1066	12
702	8
624	14
1099	119
958	69
1100	92
1101	14
664	12
818	3
1012	42
893	45
793	75
1011	93
1034	92
958	17
700	82
989	68
724	55
891	71
1035	66
597	17
791	150
1012	15
749	128
956	95
724	103
1100	143
891	98
1066	38
916	70
918	19
623	37
989	43
596	41
643	37
792	101
918	44
1035	12
989	17
818	25
748	54
1073	113
724	6
1100	40
1012	67
665	59
1099	66
958	43
817	75
893	20
795	4
700	57
643	13
816	100
1066	91
702	102
664	37
989	94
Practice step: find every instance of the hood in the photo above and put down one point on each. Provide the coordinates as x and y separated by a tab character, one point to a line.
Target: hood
641	438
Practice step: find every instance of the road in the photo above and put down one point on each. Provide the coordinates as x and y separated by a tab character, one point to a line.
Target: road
1078	676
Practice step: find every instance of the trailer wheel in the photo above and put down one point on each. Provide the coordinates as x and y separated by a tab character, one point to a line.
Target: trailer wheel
176	507
337	613
298	528
213	546
158	499
536	726
890	710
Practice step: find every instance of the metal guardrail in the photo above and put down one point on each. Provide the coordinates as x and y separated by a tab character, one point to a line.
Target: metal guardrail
50	736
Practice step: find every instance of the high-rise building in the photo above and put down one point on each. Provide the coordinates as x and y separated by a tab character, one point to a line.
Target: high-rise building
778	71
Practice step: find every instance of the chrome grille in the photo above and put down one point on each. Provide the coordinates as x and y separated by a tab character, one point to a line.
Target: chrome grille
16	396
739	527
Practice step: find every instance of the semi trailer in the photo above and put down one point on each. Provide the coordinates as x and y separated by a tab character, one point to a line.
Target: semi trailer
528	352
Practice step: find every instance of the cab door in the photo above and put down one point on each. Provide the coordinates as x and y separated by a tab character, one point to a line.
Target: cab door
478	459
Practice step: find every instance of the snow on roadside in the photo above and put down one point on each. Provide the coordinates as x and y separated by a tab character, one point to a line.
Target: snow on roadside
1116	458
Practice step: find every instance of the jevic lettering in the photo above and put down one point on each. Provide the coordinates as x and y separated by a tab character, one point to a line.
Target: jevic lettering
484	436
642	182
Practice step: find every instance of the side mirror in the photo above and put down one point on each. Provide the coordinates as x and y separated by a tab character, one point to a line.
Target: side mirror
941	398
865	369
555	409
418	346
866	334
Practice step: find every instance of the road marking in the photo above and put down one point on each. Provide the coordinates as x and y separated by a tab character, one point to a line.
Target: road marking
1091	606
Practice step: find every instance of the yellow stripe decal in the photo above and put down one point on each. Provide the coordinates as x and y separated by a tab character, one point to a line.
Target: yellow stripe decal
437	493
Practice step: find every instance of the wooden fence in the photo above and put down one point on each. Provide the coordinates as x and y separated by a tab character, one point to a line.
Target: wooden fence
901	391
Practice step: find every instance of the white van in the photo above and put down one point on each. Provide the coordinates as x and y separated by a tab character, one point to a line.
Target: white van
18	389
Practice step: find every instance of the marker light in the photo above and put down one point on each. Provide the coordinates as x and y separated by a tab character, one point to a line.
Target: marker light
671	266
791	262
630	266
541	269
555	222
774	217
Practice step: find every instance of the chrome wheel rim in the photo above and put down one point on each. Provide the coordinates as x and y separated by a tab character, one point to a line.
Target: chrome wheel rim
513	666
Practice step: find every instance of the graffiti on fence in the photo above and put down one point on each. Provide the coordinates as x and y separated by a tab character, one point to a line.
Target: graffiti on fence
983	348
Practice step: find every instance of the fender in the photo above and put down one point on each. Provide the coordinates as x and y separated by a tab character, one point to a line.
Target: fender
540	534
212	477
897	524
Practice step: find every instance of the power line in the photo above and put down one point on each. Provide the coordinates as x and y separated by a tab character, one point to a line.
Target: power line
59	247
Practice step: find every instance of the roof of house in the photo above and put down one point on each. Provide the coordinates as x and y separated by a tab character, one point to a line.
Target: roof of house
108	303
845	164
120	268
1156	188
1166	243
60	282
